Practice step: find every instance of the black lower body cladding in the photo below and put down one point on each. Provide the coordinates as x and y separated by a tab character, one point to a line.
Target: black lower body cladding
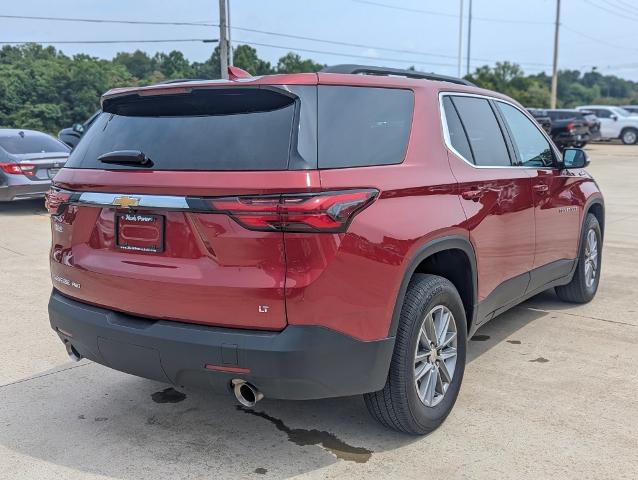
298	363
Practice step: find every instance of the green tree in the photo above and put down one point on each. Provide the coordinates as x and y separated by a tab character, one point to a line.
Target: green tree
138	63
246	58
293	63
173	65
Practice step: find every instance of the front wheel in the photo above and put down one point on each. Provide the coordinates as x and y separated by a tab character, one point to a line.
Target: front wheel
629	136
584	283
428	361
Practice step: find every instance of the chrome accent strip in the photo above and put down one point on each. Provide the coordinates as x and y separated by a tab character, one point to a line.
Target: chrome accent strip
448	142
145	201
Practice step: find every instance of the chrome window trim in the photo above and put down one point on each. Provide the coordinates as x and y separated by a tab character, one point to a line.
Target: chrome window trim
448	142
144	201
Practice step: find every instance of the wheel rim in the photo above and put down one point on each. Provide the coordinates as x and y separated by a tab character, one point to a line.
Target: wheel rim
435	355
591	258
630	137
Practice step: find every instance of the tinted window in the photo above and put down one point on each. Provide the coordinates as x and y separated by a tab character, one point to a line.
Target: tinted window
602	113
217	129
532	147
457	135
483	130
360	126
29	142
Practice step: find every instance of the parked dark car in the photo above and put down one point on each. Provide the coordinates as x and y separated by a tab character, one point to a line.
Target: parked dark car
570	128
28	162
314	235
72	135
540	115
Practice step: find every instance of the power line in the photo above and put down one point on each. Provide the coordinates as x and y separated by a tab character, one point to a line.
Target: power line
597	40
624	7
253	30
450	15
97	20
347	55
624	15
55	42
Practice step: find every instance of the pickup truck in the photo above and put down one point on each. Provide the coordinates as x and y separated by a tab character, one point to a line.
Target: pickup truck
569	129
615	123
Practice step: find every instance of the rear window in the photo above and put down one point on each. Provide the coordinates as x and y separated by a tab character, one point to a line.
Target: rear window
215	129
363	126
25	142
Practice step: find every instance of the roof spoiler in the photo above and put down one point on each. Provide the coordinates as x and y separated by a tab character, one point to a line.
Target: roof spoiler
385	71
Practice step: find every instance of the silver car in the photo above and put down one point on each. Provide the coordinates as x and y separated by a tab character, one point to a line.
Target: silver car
28	162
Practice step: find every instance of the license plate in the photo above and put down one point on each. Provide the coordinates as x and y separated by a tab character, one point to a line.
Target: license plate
52	172
139	232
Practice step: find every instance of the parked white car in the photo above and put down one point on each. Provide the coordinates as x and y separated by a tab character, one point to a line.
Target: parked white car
615	122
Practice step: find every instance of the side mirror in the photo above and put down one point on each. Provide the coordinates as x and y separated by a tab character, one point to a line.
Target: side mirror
575	158
78	128
614	117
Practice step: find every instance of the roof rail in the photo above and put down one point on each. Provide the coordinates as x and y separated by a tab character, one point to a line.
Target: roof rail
384	71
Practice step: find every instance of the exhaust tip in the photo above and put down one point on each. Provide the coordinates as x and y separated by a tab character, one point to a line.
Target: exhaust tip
245	393
72	352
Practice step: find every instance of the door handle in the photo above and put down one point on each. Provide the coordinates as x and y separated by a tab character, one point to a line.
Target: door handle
475	194
541	188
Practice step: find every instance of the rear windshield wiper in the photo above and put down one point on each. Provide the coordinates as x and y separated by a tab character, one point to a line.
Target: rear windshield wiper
126	157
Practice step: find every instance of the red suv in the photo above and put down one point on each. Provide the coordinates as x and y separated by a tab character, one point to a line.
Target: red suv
313	235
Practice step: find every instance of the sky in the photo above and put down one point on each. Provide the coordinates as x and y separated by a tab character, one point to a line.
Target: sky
394	33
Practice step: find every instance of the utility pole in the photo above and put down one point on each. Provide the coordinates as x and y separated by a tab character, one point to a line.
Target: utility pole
469	36
223	42
552	102
230	43
460	38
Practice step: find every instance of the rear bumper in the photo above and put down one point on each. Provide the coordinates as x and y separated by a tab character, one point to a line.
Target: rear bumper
570	139
17	188
298	363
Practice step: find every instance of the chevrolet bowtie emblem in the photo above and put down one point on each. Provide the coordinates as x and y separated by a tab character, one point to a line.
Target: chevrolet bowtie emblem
126	202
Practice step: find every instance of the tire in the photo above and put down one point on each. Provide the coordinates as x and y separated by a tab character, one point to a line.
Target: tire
580	290
629	136
398	405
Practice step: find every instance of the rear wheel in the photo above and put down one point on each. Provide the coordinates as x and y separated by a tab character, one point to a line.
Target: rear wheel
629	136
429	359
584	284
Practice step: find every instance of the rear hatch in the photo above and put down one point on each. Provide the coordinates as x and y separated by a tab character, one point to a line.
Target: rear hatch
170	207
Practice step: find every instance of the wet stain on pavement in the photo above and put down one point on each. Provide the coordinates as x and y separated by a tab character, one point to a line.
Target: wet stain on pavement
168	395
480	338
327	440
261	471
514	342
540	360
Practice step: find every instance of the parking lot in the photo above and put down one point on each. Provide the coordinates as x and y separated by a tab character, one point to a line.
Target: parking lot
550	390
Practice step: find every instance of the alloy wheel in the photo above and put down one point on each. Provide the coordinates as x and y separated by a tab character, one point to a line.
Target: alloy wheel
435	355
591	258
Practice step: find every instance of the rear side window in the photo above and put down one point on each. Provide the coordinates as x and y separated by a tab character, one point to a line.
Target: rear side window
26	142
458	137
362	126
483	131
215	129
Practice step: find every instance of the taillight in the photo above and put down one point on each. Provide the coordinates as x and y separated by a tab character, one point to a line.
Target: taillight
56	199
320	212
19	169
571	127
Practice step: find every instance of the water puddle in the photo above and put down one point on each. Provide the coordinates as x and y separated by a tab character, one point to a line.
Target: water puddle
327	440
